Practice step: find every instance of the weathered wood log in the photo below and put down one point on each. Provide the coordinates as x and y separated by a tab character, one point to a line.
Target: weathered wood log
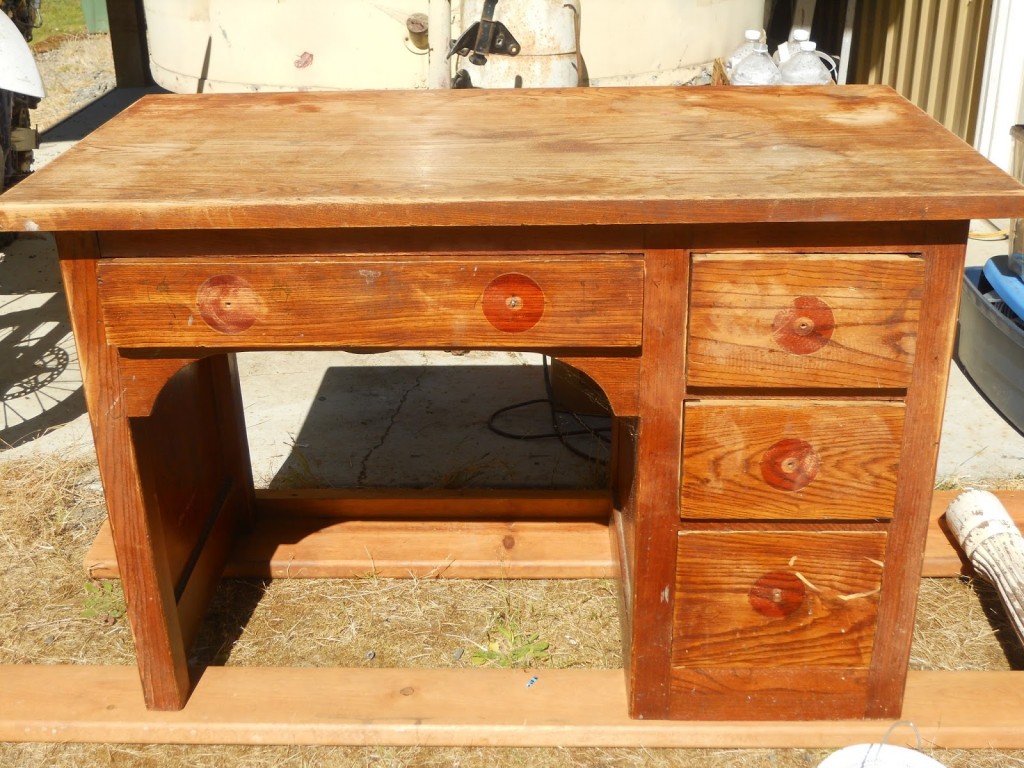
995	547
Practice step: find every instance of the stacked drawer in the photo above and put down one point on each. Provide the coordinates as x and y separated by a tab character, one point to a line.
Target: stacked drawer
797	368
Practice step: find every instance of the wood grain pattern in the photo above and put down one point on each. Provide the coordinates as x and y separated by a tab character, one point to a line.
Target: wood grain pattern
304	547
766	693
790	459
193	460
211	552
724	591
922	430
234	512
296	515
396	549
748	313
148	376
478	707
466	504
179	460
365	303
648	512
596	155
618	377
138	530
398	534
817	308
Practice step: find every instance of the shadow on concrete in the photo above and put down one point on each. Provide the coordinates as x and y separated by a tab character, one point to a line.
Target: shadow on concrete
437	426
96	113
40	382
983	395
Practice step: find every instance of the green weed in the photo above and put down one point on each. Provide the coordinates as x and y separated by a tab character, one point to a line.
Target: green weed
104	601
508	646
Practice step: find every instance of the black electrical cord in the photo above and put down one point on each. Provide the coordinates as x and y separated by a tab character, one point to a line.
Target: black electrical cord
557	431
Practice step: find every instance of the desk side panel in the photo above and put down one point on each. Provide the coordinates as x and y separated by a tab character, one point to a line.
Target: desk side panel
194	461
138	532
925	404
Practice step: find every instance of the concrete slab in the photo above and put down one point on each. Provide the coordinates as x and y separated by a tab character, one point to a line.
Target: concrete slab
401	419
40	383
409	419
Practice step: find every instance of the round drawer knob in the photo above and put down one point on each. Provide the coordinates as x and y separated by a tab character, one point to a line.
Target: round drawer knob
513	303
777	594
805	327
228	304
790	465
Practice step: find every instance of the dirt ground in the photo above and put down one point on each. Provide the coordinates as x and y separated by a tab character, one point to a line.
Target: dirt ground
50	612
74	74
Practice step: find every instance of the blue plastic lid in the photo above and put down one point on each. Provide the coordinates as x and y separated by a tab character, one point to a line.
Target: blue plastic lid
1008	285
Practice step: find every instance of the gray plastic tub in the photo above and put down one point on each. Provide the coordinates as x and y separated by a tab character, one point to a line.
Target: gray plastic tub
990	346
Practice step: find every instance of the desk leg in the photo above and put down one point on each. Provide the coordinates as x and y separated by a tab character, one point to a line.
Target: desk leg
170	536
193	462
647	521
908	530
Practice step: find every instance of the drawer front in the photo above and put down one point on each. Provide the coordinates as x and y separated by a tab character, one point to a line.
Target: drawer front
426	303
800	321
790	459
778	599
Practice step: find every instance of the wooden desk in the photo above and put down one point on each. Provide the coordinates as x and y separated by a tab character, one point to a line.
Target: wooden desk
764	282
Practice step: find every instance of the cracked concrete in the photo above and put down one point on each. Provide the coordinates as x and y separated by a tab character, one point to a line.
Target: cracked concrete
411	419
395	414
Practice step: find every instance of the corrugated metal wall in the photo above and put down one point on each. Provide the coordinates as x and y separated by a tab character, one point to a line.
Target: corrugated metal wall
931	51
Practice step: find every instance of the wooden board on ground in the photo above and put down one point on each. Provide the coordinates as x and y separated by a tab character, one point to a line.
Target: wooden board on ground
487	708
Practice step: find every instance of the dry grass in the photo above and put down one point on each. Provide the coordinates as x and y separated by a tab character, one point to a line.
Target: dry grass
130	756
125	756
51	508
961	625
428	623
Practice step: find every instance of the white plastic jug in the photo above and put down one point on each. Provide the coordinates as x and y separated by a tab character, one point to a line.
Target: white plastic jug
750	38
756	69
792	46
805	67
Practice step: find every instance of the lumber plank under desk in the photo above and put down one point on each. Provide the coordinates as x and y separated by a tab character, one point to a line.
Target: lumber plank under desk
314	546
452	534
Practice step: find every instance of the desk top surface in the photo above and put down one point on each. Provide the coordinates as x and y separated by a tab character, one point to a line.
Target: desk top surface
519	157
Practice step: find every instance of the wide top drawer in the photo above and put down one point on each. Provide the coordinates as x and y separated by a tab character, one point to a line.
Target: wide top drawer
803	320
408	302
